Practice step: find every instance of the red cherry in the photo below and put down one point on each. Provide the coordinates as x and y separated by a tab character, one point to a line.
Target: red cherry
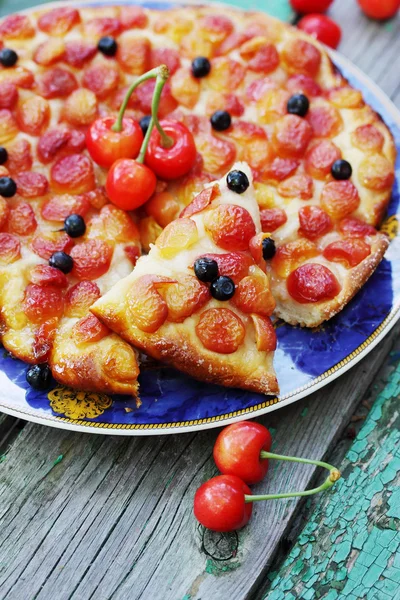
106	146
322	28
310	6
237	451
130	184
380	9
173	162
219	504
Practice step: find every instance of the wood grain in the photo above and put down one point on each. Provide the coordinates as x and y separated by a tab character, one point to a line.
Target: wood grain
113	517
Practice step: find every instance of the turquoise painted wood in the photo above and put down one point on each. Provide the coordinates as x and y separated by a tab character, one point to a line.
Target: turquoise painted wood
350	548
277	8
7	7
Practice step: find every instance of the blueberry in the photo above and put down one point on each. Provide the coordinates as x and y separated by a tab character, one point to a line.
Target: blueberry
268	248
108	46
8	57
221	120
201	66
206	269
298	105
39	376
3	155
222	288
8	187
61	261
74	226
144	123
341	169
237	181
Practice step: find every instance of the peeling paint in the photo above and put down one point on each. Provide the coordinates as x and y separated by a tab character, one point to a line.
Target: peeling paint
350	548
58	460
215	568
277	8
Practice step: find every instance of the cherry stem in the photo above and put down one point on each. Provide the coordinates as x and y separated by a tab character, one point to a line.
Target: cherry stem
161	71
166	141
334	475
307	461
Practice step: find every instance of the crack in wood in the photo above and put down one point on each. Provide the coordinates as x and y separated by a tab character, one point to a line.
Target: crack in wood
219	546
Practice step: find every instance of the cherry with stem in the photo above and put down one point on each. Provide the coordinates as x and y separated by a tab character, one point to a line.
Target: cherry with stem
130	183
242	453
109	139
169	148
166	141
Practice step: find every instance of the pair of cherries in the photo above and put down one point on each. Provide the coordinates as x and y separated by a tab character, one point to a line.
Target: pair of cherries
167	150
241	453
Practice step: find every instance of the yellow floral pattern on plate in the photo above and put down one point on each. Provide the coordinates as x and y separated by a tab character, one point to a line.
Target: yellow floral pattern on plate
78	405
390	226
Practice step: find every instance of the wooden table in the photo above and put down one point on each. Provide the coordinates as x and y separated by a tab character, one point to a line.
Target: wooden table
92	517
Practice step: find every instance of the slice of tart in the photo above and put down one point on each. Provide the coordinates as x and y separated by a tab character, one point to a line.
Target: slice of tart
200	300
44	312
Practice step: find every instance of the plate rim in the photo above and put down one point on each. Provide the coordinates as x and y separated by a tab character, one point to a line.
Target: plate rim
269	404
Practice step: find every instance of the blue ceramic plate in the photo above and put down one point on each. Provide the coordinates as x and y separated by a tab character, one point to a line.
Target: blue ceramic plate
305	359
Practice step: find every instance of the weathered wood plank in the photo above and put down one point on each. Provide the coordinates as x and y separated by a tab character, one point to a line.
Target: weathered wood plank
114	517
350	548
